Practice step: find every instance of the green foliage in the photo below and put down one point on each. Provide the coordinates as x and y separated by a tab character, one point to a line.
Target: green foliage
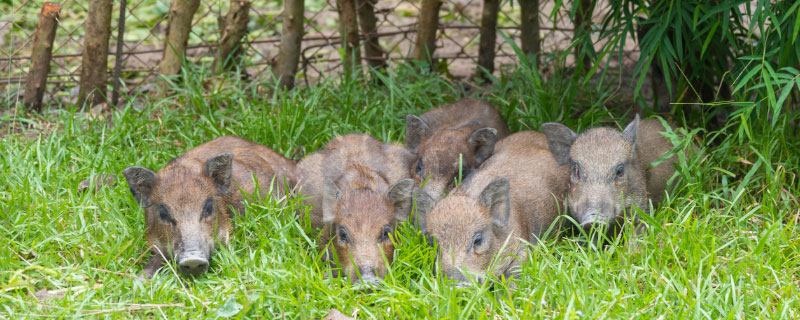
724	243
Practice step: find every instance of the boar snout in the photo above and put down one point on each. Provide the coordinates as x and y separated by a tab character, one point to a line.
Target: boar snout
368	277
193	262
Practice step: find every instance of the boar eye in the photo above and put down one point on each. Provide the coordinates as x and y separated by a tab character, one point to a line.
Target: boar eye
576	171
385	233
208	208
620	170
477	240
419	168
342	235
164	215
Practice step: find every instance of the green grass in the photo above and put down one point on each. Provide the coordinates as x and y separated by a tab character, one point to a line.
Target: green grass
724	245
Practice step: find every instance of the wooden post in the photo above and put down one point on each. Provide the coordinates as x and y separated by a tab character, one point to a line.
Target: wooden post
94	63
41	54
368	21
488	36
530	27
178	28
291	40
583	23
426	35
349	31
235	29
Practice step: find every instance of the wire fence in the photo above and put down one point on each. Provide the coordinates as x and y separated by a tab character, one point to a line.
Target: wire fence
146	24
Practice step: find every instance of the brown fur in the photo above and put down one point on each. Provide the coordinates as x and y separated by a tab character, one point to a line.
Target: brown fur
535	183
438	136
181	188
609	169
358	190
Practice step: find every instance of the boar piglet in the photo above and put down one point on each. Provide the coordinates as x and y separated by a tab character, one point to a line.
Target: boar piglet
468	127
609	172
187	203
359	189
513	196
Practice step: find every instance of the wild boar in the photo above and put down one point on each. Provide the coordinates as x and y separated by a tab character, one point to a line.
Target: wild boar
187	203
359	189
469	127
515	195
609	170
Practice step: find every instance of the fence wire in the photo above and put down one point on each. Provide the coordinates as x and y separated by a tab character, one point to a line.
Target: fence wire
146	23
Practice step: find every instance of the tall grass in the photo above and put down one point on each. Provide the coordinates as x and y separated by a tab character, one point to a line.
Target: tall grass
723	245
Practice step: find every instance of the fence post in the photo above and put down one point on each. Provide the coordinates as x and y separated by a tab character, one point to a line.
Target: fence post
178	28
488	34
235	29
291	40
40	55
94	63
368	21
349	32
426	35
530	28
118	54
583	22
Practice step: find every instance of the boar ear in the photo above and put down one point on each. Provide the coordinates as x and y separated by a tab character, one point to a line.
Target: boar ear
496	198
330	194
482	143
219	169
141	182
416	130
424	204
560	139
400	197
630	131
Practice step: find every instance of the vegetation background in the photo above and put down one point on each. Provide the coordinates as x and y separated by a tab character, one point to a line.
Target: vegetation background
724	244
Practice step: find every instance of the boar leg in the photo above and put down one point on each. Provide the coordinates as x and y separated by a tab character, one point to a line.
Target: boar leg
153	265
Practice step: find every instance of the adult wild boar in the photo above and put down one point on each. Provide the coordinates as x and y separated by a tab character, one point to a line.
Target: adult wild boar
469	127
609	170
514	196
188	203
359	189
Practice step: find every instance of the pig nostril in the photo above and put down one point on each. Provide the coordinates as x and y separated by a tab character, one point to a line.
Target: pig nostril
193	266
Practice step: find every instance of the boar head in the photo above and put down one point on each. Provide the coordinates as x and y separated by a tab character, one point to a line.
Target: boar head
186	212
362	222
469	232
606	178
438	153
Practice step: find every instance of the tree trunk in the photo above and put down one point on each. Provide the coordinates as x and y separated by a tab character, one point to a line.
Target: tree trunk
426	35
178	28
583	22
40	55
488	37
94	64
368	21
235	29
530	27
349	31
118	54
291	40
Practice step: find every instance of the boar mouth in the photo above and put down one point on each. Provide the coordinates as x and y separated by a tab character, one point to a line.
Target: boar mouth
192	262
